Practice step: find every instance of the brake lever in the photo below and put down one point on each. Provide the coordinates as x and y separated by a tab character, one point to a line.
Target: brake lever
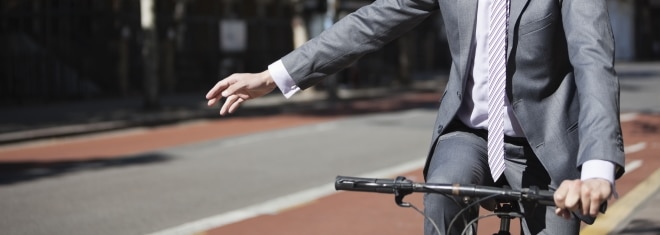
399	194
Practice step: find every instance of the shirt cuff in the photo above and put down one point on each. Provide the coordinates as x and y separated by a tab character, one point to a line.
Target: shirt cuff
283	79
598	169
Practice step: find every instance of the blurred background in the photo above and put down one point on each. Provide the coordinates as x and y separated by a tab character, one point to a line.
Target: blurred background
69	50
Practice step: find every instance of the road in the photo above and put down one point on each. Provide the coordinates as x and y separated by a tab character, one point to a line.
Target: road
137	193
252	175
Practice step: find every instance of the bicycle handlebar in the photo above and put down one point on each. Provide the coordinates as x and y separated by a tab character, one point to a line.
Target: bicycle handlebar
402	185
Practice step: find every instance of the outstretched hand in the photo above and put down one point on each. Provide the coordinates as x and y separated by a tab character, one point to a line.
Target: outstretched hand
584	197
238	88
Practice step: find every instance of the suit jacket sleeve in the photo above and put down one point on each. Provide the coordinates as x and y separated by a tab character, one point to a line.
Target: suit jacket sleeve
365	30
591	53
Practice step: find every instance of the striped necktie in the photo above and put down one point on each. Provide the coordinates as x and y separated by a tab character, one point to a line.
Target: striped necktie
498	16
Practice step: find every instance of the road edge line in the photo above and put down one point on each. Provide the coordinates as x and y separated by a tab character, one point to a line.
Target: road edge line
623	207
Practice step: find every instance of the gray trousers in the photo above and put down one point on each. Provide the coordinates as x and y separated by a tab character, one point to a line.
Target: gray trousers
460	156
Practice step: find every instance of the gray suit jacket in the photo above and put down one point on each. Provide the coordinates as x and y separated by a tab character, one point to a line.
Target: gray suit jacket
560	70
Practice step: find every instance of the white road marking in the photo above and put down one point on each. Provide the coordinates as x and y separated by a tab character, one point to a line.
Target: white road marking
278	134
633	165
635	148
626	117
279	204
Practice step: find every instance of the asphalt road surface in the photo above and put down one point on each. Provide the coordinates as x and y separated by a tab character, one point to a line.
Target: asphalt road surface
151	191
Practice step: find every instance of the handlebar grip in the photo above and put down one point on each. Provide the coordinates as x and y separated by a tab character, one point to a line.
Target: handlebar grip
543	197
370	185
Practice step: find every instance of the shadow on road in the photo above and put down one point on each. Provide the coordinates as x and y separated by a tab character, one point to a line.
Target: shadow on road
647	127
20	172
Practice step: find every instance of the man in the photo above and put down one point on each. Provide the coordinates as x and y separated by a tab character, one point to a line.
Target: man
562	98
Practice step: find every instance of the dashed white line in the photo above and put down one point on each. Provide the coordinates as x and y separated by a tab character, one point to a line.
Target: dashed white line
279	204
632	166
626	117
635	148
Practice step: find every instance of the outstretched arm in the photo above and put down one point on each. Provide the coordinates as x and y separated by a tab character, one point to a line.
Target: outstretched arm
359	33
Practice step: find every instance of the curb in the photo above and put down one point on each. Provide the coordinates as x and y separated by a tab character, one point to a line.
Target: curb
268	105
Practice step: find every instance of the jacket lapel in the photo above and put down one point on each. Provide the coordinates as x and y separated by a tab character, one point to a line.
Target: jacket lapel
515	10
466	24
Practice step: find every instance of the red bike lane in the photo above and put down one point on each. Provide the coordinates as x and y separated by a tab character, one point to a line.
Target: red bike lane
140	140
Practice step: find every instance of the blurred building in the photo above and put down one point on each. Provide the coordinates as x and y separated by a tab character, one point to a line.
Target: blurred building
636	27
61	50
73	49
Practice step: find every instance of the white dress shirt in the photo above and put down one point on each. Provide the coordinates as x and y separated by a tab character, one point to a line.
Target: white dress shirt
474	109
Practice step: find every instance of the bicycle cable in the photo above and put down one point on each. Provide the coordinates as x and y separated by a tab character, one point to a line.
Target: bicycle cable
437	229
474	203
426	217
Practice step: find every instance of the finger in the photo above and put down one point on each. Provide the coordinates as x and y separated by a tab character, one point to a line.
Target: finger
228	103
235	105
563	213
217	89
558	211
212	101
594	206
560	195
591	198
572	201
243	96
585	199
601	191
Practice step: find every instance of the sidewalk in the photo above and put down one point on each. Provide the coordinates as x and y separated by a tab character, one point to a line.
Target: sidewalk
20	124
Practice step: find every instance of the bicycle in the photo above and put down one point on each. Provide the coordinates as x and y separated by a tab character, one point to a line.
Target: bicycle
505	197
